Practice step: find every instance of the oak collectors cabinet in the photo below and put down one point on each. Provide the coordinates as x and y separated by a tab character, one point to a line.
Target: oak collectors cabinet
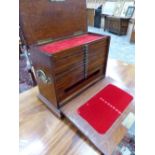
66	58
69	62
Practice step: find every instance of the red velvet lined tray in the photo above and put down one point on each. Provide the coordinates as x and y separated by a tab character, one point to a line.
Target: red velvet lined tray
102	110
69	43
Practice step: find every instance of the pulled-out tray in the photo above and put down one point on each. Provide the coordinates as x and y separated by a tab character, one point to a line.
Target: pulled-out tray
105	142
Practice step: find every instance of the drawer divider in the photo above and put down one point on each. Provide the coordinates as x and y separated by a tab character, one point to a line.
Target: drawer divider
86	61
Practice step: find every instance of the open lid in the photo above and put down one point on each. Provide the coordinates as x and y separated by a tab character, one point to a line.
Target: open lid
51	19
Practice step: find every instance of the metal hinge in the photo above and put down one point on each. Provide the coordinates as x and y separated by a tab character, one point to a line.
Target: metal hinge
44	41
77	33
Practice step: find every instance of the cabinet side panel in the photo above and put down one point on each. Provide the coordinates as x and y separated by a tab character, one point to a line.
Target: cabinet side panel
43	62
106	56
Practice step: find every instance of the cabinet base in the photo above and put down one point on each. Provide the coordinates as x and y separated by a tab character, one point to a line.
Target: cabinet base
55	110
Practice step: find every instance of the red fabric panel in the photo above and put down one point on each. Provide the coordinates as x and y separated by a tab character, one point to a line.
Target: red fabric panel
102	110
69	43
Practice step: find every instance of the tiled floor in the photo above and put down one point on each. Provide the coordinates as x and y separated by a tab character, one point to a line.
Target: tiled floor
120	46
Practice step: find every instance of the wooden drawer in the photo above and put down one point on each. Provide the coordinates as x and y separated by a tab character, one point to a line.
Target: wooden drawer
65	92
69	65
69	52
96	56
68	59
93	67
97	45
95	63
96	51
70	77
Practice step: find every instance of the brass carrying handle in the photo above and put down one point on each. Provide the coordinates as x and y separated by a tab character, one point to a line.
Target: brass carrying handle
42	76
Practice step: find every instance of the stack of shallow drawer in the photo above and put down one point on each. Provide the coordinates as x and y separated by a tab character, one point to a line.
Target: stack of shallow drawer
69	70
97	56
74	68
68	66
66	57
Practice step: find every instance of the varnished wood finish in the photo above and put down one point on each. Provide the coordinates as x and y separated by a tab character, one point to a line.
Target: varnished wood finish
41	133
51	107
71	70
106	143
44	19
90	16
116	25
44	62
122	72
132	38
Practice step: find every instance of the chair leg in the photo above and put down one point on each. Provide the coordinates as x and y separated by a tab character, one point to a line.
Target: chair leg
33	77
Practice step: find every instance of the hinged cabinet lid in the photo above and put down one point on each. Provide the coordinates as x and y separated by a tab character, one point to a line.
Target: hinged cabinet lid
51	19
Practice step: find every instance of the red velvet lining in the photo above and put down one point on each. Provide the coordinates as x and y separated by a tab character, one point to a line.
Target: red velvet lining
102	110
69	43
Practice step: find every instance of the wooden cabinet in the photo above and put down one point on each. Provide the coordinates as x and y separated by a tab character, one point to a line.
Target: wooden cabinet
71	68
132	37
90	16
116	25
66	58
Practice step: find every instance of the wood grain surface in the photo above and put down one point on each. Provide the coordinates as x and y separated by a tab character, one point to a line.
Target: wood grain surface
45	19
70	69
107	142
116	25
41	133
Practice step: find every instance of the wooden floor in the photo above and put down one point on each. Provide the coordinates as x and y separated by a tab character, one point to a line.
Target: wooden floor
41	133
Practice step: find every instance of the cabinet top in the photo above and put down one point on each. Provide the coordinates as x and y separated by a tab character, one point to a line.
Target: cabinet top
51	19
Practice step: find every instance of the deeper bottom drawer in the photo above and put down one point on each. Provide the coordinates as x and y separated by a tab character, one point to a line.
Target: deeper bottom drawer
69	78
65	92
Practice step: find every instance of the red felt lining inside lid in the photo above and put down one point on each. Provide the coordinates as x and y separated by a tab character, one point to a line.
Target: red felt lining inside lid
102	110
69	43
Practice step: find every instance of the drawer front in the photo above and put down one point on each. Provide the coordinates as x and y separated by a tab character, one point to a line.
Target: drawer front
69	66
94	66
68	91
69	52
69	77
97	45
97	56
124	23
70	59
77	69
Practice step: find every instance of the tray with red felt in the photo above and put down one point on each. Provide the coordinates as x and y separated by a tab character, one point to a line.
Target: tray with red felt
99	111
65	44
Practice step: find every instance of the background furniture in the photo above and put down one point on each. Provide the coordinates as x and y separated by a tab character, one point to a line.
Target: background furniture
118	25
40	128
97	22
27	78
132	38
90	16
